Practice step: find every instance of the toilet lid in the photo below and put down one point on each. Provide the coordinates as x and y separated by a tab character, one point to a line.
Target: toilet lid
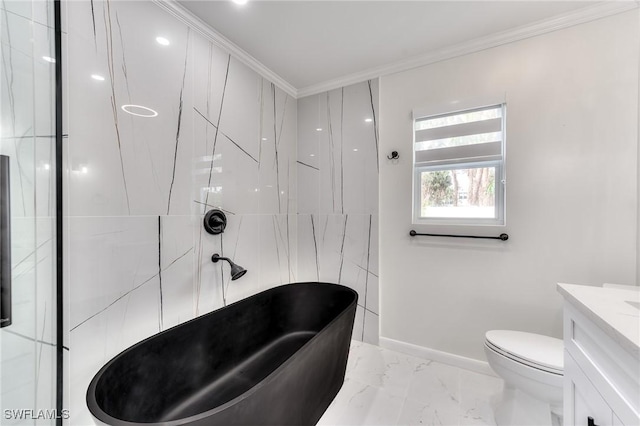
543	351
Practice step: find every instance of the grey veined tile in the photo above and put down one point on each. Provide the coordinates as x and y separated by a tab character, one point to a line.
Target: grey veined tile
429	393
358	403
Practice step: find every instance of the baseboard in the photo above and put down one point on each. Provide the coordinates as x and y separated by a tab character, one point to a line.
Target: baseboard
474	365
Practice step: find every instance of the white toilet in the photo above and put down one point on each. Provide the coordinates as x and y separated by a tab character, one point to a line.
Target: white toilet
532	368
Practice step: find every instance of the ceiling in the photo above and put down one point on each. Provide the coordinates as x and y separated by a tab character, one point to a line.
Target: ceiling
308	43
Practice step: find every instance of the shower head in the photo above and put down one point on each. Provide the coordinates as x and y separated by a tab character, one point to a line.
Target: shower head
237	271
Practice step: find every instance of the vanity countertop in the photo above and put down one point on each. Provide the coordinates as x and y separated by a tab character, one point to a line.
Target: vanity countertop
610	310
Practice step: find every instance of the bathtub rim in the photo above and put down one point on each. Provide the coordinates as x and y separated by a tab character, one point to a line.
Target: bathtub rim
92	404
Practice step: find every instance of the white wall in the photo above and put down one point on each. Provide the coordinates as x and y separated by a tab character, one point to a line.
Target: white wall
572	162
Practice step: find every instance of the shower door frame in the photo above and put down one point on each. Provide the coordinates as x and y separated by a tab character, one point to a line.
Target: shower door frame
57	5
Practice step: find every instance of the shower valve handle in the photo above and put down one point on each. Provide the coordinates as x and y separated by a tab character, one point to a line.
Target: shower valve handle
215	221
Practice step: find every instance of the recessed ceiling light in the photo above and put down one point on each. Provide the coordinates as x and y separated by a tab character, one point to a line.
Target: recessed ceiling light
240	2
49	59
368	120
312	155
355	149
163	41
97	77
139	111
264	139
318	129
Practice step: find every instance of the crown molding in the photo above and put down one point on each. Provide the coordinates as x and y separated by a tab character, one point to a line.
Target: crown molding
580	16
184	15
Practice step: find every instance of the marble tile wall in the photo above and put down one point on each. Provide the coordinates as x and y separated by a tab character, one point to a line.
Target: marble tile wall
138	187
338	195
27	129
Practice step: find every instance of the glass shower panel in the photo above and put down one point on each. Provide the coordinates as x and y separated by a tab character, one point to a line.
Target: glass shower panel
27	137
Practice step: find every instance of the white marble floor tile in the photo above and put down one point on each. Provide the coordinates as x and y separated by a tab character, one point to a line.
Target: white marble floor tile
427	413
362	404
390	388
476	391
435	383
382	368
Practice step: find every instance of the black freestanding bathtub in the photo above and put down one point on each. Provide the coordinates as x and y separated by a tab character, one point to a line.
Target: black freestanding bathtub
275	358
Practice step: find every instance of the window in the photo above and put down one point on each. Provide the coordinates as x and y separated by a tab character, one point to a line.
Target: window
459	167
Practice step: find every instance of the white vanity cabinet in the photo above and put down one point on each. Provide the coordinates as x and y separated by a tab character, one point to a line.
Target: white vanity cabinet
602	356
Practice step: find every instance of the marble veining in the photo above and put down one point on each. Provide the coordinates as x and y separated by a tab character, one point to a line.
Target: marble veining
112	82
217	125
337	169
375	121
180	102
93	22
225	138
384	387
139	187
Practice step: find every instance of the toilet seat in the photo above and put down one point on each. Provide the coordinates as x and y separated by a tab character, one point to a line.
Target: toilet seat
540	352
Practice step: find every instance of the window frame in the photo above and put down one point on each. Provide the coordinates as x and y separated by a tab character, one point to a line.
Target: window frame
500	175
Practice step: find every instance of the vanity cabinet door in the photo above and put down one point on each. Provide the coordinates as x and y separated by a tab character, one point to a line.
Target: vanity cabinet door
584	400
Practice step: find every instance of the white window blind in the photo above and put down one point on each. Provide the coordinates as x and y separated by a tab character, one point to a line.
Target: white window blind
465	136
459	166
